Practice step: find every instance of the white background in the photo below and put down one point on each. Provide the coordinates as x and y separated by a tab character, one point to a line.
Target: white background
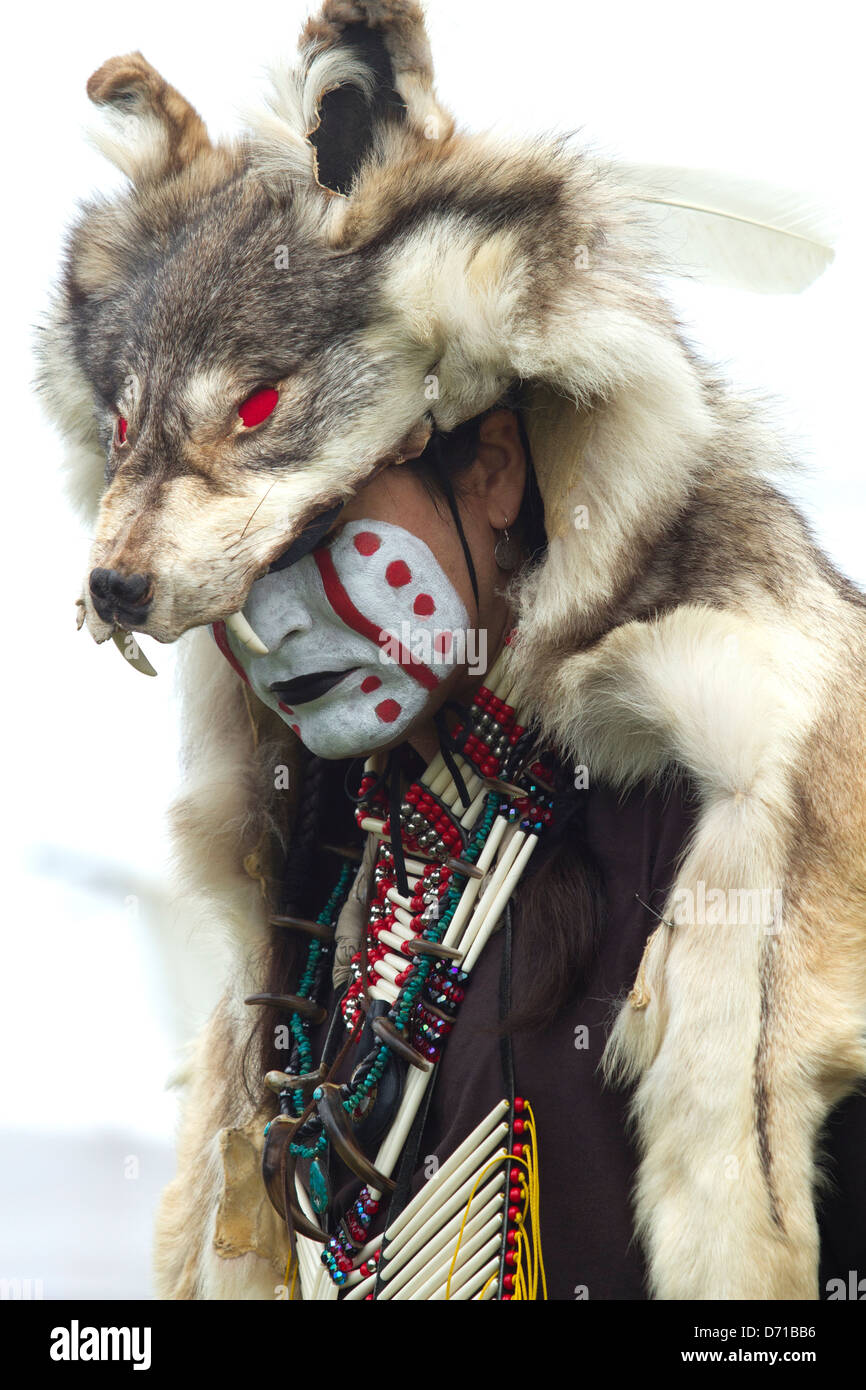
99	984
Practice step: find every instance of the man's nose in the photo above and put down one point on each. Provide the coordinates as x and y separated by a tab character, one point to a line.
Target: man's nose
118	595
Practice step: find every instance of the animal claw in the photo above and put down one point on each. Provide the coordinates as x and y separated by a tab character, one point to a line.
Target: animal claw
341	1133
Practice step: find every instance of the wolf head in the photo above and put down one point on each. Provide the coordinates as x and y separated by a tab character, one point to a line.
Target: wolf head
251	331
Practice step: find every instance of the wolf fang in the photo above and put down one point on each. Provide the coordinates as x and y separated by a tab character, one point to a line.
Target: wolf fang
92	1344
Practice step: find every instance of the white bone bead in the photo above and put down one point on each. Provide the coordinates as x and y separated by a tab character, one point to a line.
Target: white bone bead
390	1149
432	1218
464	1271
441	781
416	867
493	914
497	878
433	770
474	811
398	900
491	1124
488	1285
433	1274
470	892
436	1194
443	1221
418	1260
388	938
473	783
382	990
360	1290
484	1276
386	969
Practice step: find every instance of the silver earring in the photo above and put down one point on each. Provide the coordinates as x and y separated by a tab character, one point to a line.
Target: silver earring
506	552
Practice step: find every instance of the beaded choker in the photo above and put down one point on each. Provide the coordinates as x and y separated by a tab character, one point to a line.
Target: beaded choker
442	861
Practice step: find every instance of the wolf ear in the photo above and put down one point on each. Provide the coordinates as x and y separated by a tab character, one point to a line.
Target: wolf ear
157	132
349	115
364	71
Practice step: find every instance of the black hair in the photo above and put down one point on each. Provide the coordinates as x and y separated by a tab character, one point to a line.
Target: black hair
459	449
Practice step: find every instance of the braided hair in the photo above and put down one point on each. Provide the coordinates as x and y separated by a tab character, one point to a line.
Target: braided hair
298	897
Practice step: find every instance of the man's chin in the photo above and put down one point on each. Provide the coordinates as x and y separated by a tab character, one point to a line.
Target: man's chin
363	748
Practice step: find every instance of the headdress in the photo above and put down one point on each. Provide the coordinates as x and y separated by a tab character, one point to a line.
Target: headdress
367	172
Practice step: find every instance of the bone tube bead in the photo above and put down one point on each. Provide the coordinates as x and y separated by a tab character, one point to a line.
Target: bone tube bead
470	892
389	1151
425	1263
470	1146
464	1271
491	917
442	1223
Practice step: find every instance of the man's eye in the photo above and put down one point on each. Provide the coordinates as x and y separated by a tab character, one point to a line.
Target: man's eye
258	406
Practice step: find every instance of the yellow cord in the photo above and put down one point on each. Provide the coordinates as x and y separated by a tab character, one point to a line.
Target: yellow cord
529	1262
527	1277
486	1169
294	1276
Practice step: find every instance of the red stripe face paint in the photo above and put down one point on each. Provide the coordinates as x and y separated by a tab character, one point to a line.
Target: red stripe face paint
361	632
345	609
221	638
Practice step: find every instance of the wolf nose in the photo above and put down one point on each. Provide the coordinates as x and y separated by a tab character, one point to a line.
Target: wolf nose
119	594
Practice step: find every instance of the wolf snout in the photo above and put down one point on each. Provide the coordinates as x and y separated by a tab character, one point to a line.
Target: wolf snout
121	597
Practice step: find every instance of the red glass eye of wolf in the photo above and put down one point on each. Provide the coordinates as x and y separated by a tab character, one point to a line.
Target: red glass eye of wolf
258	406
121	430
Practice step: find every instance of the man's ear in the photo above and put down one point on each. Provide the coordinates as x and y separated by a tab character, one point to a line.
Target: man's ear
364	73
500	467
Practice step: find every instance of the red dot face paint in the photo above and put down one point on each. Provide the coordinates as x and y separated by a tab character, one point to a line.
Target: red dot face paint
364	605
388	711
398	573
258	406
121	430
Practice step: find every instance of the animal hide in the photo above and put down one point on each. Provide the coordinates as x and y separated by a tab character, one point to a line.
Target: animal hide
682	615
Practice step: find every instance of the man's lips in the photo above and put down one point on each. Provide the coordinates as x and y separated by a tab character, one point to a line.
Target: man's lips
303	689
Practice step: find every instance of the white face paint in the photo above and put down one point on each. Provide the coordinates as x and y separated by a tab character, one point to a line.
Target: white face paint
375	605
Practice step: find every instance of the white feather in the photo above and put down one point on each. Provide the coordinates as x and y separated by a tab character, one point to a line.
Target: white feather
732	231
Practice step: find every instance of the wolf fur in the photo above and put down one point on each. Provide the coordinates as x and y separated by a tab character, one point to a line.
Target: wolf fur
682	616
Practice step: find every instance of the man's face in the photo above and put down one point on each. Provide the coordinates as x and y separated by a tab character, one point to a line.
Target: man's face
372	631
360	633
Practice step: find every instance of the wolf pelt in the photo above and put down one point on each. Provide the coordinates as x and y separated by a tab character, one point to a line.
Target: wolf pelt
682	616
